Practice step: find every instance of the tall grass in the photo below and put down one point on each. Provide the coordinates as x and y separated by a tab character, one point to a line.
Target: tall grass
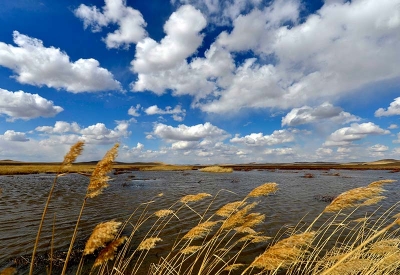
216	169
218	241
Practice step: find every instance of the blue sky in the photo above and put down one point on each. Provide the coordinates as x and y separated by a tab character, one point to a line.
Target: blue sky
201	81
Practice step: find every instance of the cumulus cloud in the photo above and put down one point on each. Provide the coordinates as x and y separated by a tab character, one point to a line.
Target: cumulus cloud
325	111
309	69
130	22
393	109
37	65
22	105
59	128
393	126
178	114
134	111
258	139
11	135
345	136
257	27
289	67
181	40
98	133
324	152
189	133
197	78
221	12
378	148
279	151
184	145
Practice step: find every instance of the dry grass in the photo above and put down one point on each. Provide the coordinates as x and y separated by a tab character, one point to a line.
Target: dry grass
217	241
216	169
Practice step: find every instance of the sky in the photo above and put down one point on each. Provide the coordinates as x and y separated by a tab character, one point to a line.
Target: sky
200	81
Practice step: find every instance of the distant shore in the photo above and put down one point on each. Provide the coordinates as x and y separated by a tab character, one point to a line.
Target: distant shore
9	167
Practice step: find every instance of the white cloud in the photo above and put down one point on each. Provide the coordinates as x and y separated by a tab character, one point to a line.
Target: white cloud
178	114
130	22
258	26
325	111
378	148
134	111
221	12
393	109
323	152
279	151
343	150
184	145
21	105
398	139
258	139
345	136
309	69
308	62
197	78
11	135
181	40
189	133
59	128
393	126
37	65
98	133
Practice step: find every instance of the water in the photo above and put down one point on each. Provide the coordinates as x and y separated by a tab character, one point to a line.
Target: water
22	199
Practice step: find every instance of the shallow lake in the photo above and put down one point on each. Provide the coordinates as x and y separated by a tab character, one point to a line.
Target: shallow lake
22	199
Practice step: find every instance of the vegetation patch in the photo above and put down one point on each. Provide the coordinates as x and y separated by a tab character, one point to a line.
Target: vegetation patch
216	169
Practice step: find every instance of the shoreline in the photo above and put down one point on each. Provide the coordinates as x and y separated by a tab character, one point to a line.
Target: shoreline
25	168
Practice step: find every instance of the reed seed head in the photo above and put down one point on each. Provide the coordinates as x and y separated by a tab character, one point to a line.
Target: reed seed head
193	198
263	190
387	246
73	153
353	197
190	249
163	213
245	229
229	208
108	253
99	178
200	230
373	200
284	252
353	266
233	267
238	218
149	243
101	235
379	183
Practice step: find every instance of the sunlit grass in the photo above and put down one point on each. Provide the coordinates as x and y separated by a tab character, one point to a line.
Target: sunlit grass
216	169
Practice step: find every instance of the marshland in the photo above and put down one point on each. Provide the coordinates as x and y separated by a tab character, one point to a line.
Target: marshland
184	220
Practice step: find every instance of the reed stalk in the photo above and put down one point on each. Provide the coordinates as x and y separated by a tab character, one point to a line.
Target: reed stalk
69	158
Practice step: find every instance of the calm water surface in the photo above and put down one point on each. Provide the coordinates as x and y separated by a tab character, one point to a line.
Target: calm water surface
22	199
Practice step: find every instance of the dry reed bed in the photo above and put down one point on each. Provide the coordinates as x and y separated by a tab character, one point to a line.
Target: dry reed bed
217	242
216	169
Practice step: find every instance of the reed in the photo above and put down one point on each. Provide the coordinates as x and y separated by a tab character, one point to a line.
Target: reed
216	169
218	240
